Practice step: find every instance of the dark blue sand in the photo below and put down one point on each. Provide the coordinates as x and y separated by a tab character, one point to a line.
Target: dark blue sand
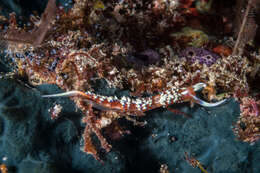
32	142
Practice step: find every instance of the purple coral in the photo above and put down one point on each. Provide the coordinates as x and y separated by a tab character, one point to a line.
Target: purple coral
201	55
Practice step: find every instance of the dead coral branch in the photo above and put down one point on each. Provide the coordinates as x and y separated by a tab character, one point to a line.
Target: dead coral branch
247	29
37	35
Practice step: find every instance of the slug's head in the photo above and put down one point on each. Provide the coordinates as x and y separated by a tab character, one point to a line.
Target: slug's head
189	94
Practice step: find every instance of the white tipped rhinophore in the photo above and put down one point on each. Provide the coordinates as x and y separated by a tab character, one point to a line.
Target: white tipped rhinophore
195	87
198	87
206	104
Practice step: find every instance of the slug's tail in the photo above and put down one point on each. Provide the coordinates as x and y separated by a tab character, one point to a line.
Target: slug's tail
66	94
79	93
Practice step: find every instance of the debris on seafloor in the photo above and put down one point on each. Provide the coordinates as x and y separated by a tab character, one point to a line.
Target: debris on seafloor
164	169
3	168
55	111
194	163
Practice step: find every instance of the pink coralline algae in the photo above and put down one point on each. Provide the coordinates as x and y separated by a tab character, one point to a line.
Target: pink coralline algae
192	54
247	128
